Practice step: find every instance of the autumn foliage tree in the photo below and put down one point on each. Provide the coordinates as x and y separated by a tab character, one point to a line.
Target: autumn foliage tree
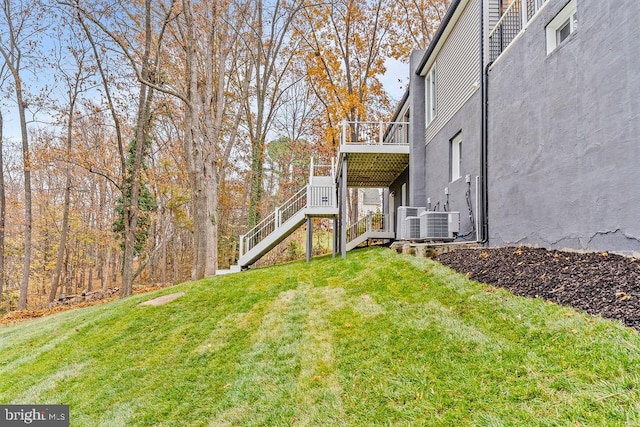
231	98
22	23
420	21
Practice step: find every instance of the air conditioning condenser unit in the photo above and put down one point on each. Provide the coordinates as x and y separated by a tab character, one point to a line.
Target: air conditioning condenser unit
409	222
439	225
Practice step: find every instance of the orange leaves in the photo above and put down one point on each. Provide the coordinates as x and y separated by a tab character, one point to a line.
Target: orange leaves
347	44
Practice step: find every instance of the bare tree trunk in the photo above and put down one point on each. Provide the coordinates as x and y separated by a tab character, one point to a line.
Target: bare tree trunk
114	268
203	121
67	202
26	158
192	148
271	62
3	208
105	269
12	55
257	141
163	264
131	175
68	276
176	267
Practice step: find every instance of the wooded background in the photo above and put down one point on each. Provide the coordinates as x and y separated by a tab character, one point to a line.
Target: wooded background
139	139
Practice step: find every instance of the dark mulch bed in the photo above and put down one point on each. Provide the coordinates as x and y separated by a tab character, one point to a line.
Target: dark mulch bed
598	283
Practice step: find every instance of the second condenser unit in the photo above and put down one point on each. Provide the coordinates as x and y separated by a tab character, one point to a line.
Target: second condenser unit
417	223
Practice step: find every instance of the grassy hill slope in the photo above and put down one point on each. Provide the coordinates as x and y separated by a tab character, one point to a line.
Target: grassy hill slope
377	338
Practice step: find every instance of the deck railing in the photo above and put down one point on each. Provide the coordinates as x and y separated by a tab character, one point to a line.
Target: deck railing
370	223
321	196
295	204
274	220
512	22
308	196
375	133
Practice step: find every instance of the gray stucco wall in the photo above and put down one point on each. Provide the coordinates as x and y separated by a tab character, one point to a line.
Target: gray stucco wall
437	166
564	133
417	195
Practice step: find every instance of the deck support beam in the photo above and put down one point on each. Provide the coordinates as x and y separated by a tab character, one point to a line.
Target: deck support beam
309	237
343	207
334	249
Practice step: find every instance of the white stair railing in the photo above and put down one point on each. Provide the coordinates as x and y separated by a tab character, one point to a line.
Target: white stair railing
370	223
295	204
319	193
274	220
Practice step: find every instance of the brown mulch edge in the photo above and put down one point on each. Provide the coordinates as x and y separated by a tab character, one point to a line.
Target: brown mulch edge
23	315
601	284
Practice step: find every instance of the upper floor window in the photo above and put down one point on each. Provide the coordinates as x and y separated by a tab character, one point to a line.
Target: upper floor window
562	26
430	95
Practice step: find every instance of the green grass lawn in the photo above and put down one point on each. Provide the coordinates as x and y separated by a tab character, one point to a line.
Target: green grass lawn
377	338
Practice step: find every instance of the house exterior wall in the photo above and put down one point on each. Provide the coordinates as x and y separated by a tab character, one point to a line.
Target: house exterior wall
466	121
417	196
369	200
564	133
458	111
457	68
396	188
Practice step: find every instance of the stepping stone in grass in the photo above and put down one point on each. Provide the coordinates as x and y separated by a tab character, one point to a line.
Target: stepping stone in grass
163	299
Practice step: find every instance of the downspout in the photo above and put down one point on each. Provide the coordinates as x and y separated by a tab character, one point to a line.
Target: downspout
484	136
484	162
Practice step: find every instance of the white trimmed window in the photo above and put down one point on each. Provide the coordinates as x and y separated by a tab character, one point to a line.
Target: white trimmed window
561	27
455	156
430	95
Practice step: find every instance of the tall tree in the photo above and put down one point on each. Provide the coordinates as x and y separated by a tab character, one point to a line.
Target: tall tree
74	80
140	41
346	44
272	52
3	205
22	23
207	33
420	20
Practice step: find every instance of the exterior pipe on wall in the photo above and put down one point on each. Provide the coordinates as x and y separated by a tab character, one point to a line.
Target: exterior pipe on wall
484	150
477	220
484	80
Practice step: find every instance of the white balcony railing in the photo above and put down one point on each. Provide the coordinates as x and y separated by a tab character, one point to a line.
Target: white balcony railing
374	133
321	196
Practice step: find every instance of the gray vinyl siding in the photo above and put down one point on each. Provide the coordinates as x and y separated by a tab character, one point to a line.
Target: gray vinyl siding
457	67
